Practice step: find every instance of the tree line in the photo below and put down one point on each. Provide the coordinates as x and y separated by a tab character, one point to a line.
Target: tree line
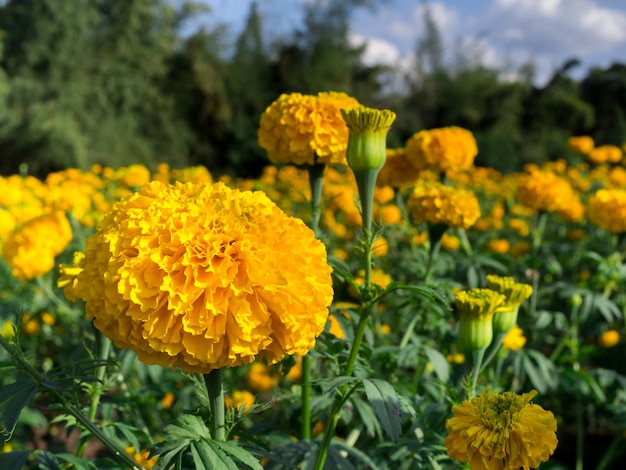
116	82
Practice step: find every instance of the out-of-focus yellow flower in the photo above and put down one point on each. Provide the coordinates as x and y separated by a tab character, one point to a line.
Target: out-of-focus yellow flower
456	358
143	457
8	330
607	209
296	371
499	245
439	204
378	277
608	339
442	149
260	378
335	327
385	329
521	247
390	214
514	339
519	226
187	275
384	194
605	154
168	400
398	171
380	247
193	174
133	176
576	234
68	275
580	144
30	324
500	432
450	242
239	398
306	129
545	191
30	250
476	308
318	428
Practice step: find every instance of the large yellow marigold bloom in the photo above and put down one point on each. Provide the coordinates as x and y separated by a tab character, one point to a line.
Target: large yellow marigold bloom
545	191
306	129
31	249
442	149
607	209
501	432
202	277
437	203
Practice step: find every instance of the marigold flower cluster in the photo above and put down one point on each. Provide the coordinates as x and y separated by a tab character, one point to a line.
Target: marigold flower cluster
187	276
398	170
545	191
501	431
442	149
306	129
605	154
607	209
31	250
439	204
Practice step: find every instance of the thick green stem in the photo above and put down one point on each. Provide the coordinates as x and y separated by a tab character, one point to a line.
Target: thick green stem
117	451
477	356
217	424
306	398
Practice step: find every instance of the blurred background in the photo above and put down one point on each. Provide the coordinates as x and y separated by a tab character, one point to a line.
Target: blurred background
116	82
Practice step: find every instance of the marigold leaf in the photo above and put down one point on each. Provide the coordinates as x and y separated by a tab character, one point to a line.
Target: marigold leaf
385	402
240	454
15	460
16	397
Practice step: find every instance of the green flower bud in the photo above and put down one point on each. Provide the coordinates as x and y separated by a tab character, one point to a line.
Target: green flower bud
476	308
474	333
503	321
367	140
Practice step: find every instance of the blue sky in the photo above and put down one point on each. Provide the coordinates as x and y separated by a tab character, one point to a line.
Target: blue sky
497	33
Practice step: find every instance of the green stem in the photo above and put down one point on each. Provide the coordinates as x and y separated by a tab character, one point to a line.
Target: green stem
98	387
613	452
477	355
117	451
316	182
494	348
217	424
538	232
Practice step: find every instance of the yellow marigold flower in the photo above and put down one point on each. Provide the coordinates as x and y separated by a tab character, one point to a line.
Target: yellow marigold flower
514	339
30	325
260	378
188	276
143	457
378	276
515	293
442	149
607	209
605	154
519	226
318	428
545	191
608	339
398	171
520	248
499	245
450	242
476	308
439	204
31	249
384	194
580	144
306	129
501	432
385	329
239	398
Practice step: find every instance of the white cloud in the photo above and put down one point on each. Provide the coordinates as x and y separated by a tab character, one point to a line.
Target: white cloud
377	51
556	27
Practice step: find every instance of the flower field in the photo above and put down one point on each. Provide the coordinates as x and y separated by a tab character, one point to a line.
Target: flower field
354	307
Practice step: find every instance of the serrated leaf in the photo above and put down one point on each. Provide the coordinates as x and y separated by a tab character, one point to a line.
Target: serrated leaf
15	460
240	454
328	385
343	447
223	460
76	461
22	393
202	454
368	417
384	400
